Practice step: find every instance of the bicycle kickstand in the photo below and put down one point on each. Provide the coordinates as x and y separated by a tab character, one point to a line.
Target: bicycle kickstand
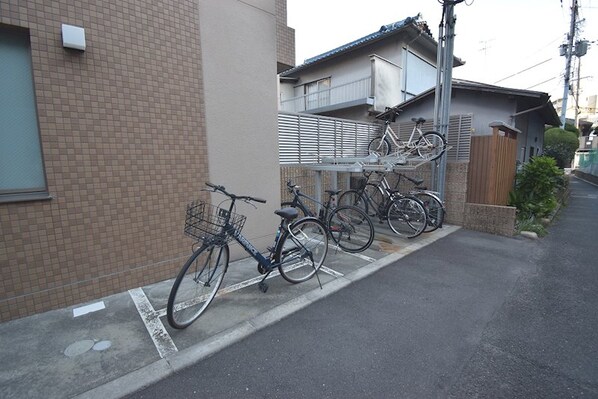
262	285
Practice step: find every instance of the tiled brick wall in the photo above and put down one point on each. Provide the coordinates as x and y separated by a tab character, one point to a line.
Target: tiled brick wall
285	38
123	140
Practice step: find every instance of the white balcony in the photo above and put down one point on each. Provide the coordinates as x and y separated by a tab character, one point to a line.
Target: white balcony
335	97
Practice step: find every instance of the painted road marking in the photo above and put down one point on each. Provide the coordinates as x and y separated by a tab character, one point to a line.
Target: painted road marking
94	307
162	340
239	286
151	317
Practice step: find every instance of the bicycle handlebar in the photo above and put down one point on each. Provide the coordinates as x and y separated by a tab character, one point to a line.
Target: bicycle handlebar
390	113
222	189
292	187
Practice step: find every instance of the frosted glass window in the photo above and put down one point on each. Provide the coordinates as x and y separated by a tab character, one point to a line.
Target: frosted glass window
21	166
421	75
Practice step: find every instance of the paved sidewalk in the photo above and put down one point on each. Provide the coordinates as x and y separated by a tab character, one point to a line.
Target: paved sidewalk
118	344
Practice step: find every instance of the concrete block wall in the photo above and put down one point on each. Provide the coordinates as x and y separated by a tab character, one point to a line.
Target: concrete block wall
493	219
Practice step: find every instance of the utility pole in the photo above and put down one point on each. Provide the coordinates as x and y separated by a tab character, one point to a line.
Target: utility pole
568	55
444	79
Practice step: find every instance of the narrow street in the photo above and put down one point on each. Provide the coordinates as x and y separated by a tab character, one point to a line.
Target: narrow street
471	315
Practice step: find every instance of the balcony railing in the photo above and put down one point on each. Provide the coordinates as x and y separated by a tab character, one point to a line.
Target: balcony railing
358	90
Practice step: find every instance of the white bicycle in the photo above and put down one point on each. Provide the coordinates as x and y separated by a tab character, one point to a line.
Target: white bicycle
428	146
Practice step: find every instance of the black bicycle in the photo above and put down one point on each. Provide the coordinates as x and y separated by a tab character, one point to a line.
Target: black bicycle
405	214
430	199
298	252
349	227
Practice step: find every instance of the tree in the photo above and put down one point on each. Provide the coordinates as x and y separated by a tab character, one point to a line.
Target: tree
571	128
561	145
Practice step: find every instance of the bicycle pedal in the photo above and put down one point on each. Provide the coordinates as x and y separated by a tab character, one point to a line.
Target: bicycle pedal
262	286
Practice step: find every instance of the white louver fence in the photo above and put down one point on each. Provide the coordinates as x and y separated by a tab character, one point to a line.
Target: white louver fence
306	139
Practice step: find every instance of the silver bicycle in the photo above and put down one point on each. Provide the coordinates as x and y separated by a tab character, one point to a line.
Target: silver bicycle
428	146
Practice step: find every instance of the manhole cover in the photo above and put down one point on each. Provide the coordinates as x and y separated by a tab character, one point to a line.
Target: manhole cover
102	346
79	347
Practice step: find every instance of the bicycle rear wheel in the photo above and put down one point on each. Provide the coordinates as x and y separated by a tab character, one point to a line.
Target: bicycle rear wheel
431	146
379	146
434	209
196	285
407	217
302	250
351	228
376	199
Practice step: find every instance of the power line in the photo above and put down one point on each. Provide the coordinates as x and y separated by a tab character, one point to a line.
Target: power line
541	83
523	70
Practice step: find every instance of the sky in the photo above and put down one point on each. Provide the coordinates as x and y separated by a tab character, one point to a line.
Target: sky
496	38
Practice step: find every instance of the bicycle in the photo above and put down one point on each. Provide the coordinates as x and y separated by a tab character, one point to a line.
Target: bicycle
431	201
299	249
349	227
429	146
405	214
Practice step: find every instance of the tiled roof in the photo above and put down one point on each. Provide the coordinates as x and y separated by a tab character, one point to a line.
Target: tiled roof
385	30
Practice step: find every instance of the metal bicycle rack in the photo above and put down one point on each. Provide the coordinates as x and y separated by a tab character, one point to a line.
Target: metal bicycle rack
393	162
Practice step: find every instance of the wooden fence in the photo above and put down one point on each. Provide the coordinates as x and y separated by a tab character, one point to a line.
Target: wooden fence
492	167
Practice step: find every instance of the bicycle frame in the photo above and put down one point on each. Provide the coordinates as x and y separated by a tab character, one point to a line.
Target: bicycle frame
297	195
388	132
265	262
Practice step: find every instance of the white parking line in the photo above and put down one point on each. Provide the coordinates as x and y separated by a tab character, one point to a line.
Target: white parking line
151	317
357	255
241	285
164	344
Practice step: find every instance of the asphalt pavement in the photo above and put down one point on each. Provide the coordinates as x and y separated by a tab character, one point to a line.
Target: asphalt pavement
454	313
116	345
472	315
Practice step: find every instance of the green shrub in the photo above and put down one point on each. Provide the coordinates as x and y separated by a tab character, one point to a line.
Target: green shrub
561	145
535	188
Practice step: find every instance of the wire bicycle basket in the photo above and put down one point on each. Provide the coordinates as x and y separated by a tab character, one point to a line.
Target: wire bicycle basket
206	222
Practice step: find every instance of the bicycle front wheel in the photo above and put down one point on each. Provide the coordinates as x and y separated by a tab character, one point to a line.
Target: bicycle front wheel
379	146
431	146
302	250
196	285
351	228
434	209
407	217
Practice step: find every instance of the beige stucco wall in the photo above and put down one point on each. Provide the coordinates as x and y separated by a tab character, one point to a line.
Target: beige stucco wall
239	74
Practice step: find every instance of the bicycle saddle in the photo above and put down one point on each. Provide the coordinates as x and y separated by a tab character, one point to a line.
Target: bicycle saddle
333	192
418	120
416	180
287	213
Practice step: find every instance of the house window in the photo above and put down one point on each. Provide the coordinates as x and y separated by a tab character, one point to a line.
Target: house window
21	166
317	94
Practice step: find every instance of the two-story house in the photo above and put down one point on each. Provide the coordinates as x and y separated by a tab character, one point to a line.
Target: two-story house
366	75
525	110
